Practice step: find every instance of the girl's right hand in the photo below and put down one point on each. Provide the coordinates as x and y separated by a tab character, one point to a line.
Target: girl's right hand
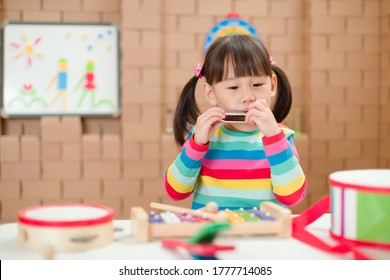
207	123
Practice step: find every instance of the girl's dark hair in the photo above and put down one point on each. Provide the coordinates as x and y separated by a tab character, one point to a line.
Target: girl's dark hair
283	100
248	57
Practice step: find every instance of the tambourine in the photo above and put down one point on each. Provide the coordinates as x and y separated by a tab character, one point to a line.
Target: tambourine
360	205
67	227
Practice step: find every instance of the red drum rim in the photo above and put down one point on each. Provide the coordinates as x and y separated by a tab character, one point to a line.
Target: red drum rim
24	217
373	244
335	181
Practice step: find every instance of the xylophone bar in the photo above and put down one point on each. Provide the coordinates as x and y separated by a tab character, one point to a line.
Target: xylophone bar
143	230
200	213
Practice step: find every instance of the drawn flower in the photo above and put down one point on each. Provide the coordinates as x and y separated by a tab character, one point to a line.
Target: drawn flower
27	89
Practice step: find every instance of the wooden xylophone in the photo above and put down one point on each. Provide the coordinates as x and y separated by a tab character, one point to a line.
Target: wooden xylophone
270	219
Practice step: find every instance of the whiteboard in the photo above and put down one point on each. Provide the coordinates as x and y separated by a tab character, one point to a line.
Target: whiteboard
60	69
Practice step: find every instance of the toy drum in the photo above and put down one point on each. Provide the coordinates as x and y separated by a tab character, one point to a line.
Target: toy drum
360	206
68	227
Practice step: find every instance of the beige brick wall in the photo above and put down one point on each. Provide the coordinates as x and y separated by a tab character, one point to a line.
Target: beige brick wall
384	92
344	88
335	52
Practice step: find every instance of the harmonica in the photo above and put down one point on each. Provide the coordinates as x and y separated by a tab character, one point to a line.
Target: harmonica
234	117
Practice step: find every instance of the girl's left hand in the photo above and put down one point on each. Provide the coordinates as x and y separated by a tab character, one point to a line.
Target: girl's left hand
261	115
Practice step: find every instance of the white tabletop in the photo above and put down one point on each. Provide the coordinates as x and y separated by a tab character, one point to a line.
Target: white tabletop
246	247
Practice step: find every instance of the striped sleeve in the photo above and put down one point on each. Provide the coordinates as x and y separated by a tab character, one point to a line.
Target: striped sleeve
181	176
288	179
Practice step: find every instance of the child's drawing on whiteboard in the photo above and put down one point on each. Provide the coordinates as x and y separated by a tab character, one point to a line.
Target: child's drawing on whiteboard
89	87
27	48
27	97
62	83
59	69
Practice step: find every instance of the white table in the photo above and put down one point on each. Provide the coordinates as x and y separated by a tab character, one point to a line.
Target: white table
247	248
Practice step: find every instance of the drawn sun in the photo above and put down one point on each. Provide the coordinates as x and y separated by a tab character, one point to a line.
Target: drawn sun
27	49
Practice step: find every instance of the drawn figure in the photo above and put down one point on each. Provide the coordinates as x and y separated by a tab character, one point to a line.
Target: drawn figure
89	86
62	83
27	96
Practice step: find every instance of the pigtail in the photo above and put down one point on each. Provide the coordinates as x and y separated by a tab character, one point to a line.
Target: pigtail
186	111
283	101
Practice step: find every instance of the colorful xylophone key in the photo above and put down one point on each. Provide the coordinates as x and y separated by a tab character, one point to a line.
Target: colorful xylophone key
246	215
155	218
174	218
184	217
262	215
232	216
170	218
252	215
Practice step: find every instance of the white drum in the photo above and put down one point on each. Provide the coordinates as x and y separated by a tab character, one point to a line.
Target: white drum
360	206
67	227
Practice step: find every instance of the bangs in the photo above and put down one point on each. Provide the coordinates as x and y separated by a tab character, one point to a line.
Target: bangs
246	56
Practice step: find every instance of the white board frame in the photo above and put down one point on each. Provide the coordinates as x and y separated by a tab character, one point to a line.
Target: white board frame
60	69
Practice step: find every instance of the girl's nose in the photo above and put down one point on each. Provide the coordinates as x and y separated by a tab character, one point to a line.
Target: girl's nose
248	97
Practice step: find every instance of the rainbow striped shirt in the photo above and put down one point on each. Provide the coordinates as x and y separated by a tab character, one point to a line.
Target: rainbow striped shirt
238	169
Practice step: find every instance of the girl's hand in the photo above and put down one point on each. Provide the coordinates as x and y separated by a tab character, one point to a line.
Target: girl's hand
207	123
261	115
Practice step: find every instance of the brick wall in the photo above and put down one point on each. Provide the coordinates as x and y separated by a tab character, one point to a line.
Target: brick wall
384	96
336	54
69	159
344	49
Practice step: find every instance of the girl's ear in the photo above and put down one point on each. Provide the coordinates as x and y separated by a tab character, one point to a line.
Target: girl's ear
274	84
209	94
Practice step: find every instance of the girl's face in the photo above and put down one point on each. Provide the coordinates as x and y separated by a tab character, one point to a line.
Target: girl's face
234	94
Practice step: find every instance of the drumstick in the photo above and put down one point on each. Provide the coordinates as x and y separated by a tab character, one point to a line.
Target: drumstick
199	212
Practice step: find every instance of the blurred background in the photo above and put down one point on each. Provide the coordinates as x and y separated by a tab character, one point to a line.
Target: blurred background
336	54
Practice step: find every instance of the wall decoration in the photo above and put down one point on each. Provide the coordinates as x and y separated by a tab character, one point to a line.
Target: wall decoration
231	24
60	69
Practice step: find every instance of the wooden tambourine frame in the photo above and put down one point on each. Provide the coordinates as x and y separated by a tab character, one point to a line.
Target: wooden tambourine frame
67	227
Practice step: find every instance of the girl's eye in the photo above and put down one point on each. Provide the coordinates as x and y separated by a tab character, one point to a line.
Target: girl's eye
257	85
233	87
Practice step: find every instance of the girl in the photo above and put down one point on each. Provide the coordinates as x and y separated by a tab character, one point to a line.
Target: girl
236	165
